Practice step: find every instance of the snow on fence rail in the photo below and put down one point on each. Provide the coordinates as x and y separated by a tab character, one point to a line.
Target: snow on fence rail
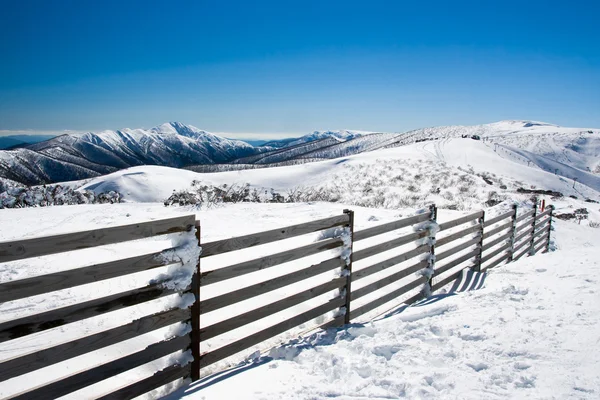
54	353
328	292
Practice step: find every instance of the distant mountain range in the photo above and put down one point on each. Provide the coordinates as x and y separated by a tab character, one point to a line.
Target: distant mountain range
81	156
14	141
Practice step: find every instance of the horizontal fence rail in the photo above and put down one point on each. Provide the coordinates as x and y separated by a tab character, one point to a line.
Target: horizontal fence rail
421	256
53	353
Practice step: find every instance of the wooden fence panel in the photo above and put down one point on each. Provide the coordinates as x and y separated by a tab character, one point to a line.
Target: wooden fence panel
497	230
455	262
61	316
492	243
227	299
383	265
256	338
460	221
391	226
64	386
525	215
27	248
42	358
246	267
494	253
455	236
456	249
255	239
385	246
19	289
357	312
498	218
269	309
388	280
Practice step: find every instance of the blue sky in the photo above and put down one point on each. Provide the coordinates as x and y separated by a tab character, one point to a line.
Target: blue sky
288	67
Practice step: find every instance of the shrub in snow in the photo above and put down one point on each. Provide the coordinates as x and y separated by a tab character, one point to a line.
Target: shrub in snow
43	196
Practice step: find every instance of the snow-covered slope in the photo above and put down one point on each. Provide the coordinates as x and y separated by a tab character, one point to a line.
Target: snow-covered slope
449	172
550	147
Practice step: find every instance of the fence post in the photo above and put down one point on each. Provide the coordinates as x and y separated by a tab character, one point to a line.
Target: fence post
348	268
195	309
431	263
477	266
551	207
531	250
513	234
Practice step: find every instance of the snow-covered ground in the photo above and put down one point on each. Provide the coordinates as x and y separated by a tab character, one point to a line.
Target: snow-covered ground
529	333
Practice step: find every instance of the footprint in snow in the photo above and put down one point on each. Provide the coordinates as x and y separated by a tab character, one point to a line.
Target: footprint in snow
478	366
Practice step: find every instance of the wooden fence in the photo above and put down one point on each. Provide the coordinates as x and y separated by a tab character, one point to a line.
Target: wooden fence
43	284
436	255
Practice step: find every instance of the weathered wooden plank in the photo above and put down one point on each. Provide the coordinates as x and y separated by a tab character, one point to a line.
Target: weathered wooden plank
255	239
460	221
454	250
494	253
26	248
446	267
519	246
458	235
498	261
388	280
155	381
383	265
525	215
540	240
19	289
246	267
72	383
224	300
524	234
254	339
541	215
385	246
543	230
525	251
539	248
492	221
390	226
540	224
269	309
497	230
494	242
23	364
526	224
61	316
357	312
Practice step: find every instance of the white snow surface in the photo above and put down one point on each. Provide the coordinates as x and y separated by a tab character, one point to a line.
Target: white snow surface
529	333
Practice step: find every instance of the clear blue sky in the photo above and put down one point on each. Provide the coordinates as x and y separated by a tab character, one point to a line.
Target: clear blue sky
289	67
